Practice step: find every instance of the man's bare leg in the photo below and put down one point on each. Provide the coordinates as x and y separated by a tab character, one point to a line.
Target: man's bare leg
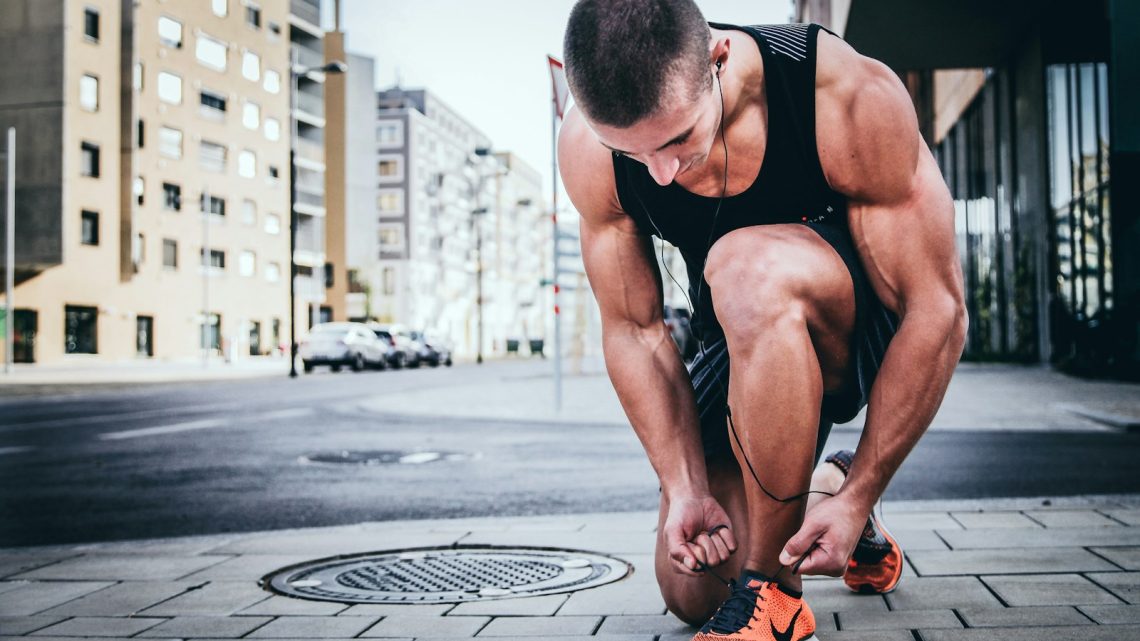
786	303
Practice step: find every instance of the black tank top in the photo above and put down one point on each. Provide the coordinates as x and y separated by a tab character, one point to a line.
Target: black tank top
790	187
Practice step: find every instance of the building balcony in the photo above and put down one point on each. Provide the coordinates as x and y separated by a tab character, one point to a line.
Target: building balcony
307	10
307	58
310	154
311	106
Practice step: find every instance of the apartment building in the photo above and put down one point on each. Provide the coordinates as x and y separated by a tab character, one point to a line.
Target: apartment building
1030	110
152	183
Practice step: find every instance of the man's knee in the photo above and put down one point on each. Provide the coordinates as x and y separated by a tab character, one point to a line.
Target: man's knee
688	605
753	287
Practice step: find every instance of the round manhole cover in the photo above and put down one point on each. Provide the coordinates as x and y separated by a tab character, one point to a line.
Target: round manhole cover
450	575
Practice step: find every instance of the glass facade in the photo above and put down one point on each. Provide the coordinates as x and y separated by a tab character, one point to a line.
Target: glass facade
978	161
1078	133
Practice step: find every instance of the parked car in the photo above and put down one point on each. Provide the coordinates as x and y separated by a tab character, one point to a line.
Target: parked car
341	344
677	320
405	352
436	350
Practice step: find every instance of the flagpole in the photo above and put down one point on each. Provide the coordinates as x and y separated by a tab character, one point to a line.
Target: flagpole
554	253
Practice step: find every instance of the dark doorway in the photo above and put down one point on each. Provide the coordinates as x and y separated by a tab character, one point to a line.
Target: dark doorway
144	336
26	326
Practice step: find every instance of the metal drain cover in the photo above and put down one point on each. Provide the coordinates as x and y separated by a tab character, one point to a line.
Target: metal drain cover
383	457
451	575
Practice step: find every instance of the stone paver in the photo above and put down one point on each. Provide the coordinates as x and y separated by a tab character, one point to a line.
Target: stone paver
35	597
1022	617
661	624
1048	589
540	626
1126	557
932	593
99	627
865	635
390	609
1129	516
532	606
213	599
242	568
901	620
1075	633
831	595
1112	614
123	599
1071	518
1006	561
208	627
24	625
990	520
12	563
286	606
119	567
312	628
1125	585
899	521
1020	538
315	545
419	626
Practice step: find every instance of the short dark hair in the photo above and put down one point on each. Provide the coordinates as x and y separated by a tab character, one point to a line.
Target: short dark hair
621	53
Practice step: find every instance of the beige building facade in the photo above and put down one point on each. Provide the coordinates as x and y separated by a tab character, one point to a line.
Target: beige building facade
169	179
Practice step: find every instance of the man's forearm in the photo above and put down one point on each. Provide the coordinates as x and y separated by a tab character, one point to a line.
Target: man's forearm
654	389
907	392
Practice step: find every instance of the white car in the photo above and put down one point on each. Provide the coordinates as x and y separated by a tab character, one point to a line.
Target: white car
341	344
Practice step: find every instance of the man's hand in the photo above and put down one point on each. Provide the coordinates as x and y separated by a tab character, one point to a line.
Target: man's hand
827	538
697	529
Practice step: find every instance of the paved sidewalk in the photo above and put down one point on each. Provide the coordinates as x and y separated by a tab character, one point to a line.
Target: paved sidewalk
1010	569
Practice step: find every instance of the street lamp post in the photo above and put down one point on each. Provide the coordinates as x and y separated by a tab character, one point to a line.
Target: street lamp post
475	214
295	75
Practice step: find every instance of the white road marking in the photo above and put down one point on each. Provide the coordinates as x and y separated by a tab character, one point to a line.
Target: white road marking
163	429
205	424
16	449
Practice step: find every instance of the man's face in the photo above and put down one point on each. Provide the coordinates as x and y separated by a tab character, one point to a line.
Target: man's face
676	139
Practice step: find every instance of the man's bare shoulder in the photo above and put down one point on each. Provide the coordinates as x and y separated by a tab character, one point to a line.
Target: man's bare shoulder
866	128
587	171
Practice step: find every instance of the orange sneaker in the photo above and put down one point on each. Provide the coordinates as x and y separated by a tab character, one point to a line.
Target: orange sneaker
876	565
760	609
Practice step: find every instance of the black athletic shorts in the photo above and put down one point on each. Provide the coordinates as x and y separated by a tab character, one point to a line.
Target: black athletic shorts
875	325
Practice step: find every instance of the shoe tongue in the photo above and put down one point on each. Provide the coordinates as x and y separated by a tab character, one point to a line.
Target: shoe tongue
753	579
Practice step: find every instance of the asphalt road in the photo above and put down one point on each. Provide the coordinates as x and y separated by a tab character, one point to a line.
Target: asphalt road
173	460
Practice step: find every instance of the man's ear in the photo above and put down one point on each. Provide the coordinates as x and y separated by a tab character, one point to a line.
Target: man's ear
719	52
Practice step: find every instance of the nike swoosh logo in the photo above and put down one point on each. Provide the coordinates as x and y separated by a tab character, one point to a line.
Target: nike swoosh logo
786	635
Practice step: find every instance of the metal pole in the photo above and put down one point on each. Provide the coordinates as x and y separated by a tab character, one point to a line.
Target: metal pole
554	222
293	217
479	286
206	265
10	257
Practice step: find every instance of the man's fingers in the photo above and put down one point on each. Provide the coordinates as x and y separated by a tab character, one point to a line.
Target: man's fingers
721	547
684	561
705	544
799	544
724	534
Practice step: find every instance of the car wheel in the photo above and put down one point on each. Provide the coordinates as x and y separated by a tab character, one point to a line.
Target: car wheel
399	362
307	366
335	368
358	363
448	362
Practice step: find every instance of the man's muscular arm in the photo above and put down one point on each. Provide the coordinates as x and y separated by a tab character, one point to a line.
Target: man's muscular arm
642	361
902	221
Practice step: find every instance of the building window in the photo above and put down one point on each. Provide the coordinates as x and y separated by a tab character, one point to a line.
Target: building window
388	281
390	202
89	159
248	212
211	53
389	168
272	129
169	253
139	75
247	263
211	104
169	88
390	134
212	156
250	66
144	336
170	32
274	28
170	142
89	234
247	164
79	329
217	260
391	237
139	190
253	16
220	7
140	134
171	197
272	272
212	332
272	82
91	24
138	251
251	115
273	173
215	205
272	224
88	93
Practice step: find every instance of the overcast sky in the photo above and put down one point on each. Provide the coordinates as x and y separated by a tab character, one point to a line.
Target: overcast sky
487	58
